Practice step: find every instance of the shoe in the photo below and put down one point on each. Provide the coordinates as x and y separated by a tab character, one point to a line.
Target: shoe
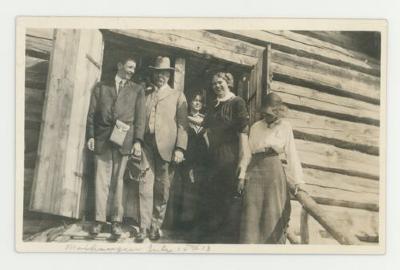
154	234
116	229
141	235
95	229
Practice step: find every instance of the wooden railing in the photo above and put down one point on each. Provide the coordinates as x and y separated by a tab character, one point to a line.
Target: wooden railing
311	207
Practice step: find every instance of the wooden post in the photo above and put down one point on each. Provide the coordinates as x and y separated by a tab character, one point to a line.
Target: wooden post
179	76
267	70
255	90
59	172
304	231
343	236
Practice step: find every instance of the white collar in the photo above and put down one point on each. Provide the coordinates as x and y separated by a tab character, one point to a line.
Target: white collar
118	79
228	96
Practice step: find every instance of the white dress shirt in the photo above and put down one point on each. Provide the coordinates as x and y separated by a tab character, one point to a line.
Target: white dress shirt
118	80
278	136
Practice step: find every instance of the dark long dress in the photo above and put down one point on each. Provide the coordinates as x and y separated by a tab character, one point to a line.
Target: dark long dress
225	122
193	172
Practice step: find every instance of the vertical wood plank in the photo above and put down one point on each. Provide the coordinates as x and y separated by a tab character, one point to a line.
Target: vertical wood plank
267	71
304	232
255	90
49	172
59	169
179	75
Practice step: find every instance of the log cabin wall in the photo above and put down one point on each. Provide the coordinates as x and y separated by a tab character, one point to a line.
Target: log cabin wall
333	94
39	44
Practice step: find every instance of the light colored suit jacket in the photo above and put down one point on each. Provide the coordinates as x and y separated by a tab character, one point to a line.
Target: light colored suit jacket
171	121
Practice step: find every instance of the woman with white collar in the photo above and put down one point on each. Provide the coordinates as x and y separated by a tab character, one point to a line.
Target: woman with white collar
226	122
266	200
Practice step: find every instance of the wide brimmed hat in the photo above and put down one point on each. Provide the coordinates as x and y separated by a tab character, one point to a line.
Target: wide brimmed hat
162	63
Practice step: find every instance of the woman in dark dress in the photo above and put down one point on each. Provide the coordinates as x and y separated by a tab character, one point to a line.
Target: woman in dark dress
194	168
227	123
266	200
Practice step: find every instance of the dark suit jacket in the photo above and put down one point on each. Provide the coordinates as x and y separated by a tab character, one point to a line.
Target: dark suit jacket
106	107
171	121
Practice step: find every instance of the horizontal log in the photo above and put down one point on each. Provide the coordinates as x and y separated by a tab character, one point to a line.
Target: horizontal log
322	43
341	78
34	96
31	139
33	120
328	83
30	160
354	41
281	41
333	197
36	77
356	222
341	182
28	180
330	158
38	47
341	190
331	128
46	33
327	104
328	222
188	40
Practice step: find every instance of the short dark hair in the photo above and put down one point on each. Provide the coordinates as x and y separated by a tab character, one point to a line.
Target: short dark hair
124	59
194	94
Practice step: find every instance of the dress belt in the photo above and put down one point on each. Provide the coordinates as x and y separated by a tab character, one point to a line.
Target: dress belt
268	152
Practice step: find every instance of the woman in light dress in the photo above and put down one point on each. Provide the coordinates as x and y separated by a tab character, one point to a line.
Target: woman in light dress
266	201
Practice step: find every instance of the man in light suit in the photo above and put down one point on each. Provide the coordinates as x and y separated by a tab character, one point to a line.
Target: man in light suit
165	143
123	100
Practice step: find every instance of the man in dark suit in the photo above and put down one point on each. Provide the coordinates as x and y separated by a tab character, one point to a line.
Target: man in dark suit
165	142
112	103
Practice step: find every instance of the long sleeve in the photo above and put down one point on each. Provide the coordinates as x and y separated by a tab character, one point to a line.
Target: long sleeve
140	115
92	112
182	123
294	170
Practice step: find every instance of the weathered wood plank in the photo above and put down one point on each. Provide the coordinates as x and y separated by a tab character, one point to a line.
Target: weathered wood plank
34	96
281	41
46	33
333	197
31	139
179	74
355	221
51	171
36	71
304	230
187	40
341	182
356	110
343	79
333	85
30	160
327	221
321	43
331	158
348	134
38	47
342	190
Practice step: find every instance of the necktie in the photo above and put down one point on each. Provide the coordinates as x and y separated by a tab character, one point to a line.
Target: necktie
120	86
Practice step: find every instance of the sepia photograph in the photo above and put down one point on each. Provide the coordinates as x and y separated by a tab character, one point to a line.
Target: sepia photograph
200	135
